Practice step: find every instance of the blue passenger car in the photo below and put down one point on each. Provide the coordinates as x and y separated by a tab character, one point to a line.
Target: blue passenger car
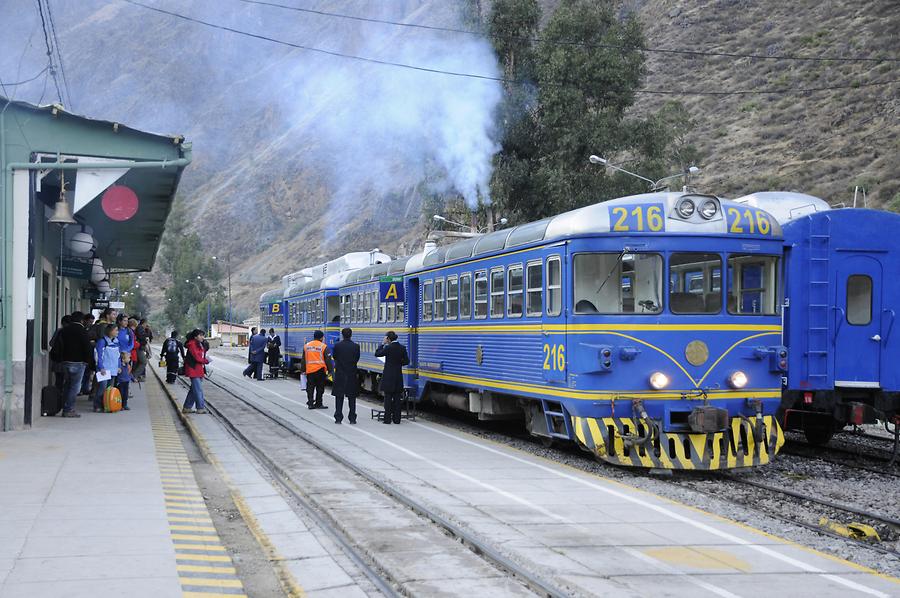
842	289
645	329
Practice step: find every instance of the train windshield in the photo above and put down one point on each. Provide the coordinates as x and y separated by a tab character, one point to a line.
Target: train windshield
753	284
695	283
618	283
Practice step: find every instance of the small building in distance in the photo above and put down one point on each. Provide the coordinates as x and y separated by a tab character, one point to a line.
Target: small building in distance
230	334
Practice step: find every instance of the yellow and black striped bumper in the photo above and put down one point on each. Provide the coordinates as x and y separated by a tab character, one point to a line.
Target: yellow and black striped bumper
612	439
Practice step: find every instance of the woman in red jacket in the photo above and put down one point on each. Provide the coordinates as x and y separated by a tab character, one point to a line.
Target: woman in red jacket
194	360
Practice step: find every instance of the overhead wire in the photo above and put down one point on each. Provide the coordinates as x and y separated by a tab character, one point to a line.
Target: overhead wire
709	53
670	92
59	58
29	80
49	52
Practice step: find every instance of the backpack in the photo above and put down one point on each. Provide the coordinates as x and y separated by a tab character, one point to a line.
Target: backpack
56	351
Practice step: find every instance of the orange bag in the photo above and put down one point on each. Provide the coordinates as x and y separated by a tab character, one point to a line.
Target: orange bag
112	400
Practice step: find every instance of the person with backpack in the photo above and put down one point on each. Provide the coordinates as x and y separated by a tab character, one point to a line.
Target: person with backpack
195	360
107	357
173	350
59	378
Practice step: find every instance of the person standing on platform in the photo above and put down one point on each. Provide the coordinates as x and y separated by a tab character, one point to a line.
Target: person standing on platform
173	351
346	380
108	358
257	356
144	337
75	356
316	363
195	360
395	357
273	352
86	380
123	382
59	378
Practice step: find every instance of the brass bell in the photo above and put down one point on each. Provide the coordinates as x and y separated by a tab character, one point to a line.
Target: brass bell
62	213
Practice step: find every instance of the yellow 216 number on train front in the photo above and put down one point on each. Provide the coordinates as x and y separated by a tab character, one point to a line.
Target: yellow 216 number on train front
637	218
742	221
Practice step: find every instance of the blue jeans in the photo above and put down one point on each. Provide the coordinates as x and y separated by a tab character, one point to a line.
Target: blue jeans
73	371
195	395
99	389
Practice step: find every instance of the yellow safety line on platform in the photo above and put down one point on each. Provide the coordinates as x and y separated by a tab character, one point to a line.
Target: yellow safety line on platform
199	552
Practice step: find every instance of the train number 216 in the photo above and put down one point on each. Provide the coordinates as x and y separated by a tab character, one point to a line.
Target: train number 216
555	357
639	218
748	221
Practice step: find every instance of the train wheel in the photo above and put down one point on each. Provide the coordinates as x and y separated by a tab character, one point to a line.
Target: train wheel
818	433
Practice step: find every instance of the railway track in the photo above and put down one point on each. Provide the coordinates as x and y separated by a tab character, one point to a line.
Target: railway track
284	482
476	545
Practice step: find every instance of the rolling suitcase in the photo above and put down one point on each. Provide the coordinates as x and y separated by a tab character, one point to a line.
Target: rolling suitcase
51	401
112	400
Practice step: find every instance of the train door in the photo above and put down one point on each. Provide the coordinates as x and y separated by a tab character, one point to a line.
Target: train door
857	342
555	356
412	321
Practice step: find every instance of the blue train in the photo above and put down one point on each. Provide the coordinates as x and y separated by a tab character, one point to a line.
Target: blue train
842	298
647	329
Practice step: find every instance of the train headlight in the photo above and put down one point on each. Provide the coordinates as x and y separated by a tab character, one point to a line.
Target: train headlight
708	209
686	208
658	380
738	379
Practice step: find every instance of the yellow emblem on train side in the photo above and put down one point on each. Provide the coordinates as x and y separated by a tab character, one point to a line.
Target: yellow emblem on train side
696	352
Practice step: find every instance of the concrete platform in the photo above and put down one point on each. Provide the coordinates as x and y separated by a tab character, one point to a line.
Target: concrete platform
588	533
106	505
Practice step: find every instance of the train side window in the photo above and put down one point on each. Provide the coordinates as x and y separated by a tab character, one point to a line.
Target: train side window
481	295
534	289
498	291
554	286
752	285
696	289
859	300
320	310
452	297
374	299
427	300
439	299
465	296
390	312
400	315
514	291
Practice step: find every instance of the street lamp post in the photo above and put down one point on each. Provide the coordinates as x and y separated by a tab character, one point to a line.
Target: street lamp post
228	270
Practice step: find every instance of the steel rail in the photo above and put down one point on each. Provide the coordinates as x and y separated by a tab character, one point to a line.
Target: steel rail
476	545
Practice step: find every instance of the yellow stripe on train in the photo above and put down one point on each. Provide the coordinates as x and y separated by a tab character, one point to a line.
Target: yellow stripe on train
623	441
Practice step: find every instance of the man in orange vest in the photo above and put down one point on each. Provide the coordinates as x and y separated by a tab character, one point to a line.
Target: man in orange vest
316	363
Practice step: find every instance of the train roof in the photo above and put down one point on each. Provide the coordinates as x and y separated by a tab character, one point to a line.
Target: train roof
785	205
589	220
272	296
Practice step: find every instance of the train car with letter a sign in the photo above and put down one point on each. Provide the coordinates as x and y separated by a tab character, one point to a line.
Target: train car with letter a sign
390	289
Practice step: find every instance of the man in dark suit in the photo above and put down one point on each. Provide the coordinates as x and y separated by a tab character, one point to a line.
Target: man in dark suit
395	357
346	382
257	355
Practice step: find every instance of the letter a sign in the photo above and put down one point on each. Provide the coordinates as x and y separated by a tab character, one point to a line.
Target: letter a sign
390	289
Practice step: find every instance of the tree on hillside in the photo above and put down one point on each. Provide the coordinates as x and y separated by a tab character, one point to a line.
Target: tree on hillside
194	277
587	68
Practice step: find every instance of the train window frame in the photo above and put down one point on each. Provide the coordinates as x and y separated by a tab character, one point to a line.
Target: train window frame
320	309
481	276
501	293
771	269
427	300
390	311
619	264
401	312
852	306
467	315
440	307
554	291
707	278
510	293
531	290
452	312
373	298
